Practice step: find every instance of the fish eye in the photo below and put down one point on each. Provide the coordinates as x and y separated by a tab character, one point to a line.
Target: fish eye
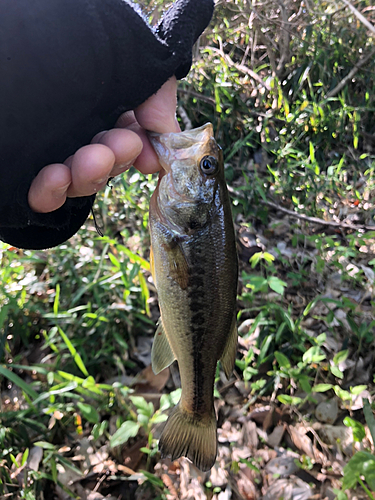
208	165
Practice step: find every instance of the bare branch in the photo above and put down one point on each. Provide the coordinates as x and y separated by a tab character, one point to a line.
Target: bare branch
200	97
241	68
351	73
316	220
359	16
184	117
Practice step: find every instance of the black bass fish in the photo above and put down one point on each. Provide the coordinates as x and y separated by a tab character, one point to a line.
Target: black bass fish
195	270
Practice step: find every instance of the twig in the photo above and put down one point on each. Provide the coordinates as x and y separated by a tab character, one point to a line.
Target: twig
284	42
201	97
241	68
360	16
211	101
316	220
185	118
350	75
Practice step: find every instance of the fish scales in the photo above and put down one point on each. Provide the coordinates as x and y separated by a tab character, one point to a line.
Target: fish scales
195	270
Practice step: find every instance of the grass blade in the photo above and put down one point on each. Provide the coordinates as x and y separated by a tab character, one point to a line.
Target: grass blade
369	417
18	381
77	358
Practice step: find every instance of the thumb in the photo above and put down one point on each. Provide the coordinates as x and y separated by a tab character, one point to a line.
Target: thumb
158	113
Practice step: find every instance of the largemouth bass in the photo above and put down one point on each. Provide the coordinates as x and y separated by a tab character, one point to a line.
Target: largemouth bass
195	270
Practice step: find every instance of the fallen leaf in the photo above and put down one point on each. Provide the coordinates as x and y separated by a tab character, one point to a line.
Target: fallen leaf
34	458
301	441
283	466
191	482
147	381
327	411
246	486
274	439
250	436
288	489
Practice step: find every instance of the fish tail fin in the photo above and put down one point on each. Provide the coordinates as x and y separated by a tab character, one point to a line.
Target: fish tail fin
191	436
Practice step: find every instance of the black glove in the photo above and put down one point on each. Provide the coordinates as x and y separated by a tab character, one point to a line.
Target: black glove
68	69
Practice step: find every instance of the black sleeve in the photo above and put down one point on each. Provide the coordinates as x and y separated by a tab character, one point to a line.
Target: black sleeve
68	69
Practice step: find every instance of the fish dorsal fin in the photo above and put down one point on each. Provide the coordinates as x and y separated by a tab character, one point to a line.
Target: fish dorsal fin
178	265
229	355
161	354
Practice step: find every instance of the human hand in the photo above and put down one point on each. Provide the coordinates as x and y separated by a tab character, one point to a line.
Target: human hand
110	153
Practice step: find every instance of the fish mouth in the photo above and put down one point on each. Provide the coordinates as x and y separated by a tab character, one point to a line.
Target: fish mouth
161	151
174	146
163	145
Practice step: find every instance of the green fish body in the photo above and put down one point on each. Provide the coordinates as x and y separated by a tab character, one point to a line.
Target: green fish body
195	270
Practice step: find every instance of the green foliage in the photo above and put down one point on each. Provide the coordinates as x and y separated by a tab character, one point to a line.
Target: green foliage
361	467
361	464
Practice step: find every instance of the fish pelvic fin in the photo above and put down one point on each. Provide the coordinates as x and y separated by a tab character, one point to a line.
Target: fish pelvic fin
191	436
161	353
229	355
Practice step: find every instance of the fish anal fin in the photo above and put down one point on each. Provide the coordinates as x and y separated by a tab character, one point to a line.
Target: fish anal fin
161	353
186	435
229	355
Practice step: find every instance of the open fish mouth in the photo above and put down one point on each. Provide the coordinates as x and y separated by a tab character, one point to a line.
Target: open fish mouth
180	155
160	150
179	146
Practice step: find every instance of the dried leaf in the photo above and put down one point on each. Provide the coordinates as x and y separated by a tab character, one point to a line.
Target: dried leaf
288	489
34	458
327	411
283	466
250	436
246	487
274	439
147	381
301	441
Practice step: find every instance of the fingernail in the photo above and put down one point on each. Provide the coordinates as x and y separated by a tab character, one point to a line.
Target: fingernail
103	180
122	168
127	165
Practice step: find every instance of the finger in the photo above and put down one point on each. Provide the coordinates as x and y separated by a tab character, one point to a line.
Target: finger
126	119
125	144
68	162
91	166
49	188
147	162
158	113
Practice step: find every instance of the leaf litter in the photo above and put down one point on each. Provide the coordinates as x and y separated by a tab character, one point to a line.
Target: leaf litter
267	450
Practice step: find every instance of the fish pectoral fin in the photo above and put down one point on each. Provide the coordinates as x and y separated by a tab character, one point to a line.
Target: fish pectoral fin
152	263
178	266
161	353
229	355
